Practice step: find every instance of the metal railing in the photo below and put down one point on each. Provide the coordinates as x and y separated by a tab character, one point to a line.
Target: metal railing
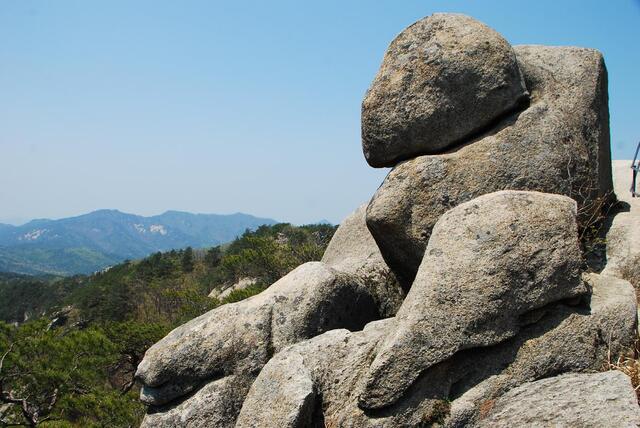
635	166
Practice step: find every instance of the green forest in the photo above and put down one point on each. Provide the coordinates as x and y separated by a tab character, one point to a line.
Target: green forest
69	346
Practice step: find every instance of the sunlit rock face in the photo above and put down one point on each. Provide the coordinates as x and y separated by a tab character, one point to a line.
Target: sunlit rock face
442	79
559	144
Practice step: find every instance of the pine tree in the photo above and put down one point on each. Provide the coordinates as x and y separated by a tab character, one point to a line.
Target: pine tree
187	260
213	256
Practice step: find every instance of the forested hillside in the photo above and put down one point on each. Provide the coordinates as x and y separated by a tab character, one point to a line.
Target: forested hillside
69	346
91	242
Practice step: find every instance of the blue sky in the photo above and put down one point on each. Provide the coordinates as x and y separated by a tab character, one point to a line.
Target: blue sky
225	106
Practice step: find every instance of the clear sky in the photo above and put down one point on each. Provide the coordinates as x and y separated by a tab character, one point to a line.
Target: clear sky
225	106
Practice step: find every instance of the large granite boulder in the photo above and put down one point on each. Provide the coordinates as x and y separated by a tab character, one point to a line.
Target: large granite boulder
489	262
353	250
571	400
559	144
443	79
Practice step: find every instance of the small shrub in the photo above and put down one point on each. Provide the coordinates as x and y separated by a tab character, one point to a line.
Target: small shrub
237	295
438	413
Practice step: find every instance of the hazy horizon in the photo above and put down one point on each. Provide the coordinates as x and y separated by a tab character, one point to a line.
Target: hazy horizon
21	223
204	107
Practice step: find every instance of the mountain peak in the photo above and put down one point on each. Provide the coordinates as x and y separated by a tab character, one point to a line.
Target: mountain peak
92	241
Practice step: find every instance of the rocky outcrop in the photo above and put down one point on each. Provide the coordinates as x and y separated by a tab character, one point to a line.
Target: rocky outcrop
442	79
491	316
239	338
489	262
241	284
350	287
559	144
572	400
529	235
557	339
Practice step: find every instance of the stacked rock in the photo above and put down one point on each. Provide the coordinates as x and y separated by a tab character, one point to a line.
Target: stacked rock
459	294
558	144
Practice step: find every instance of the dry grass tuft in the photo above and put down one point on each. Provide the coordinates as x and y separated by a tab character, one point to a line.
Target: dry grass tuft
629	364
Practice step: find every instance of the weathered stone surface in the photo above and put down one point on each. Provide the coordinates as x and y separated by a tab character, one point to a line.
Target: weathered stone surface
240	338
442	79
294	404
556	339
489	262
215	405
571	400
354	251
564	339
559	144
333	362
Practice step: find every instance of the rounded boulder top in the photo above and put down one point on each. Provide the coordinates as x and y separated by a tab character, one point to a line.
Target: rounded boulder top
443	79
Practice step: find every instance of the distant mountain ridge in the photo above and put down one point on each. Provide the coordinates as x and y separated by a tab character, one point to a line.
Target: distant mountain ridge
93	241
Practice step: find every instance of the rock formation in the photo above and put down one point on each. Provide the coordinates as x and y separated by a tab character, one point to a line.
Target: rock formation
623	237
559	144
489	262
459	296
556	339
442	79
239	338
